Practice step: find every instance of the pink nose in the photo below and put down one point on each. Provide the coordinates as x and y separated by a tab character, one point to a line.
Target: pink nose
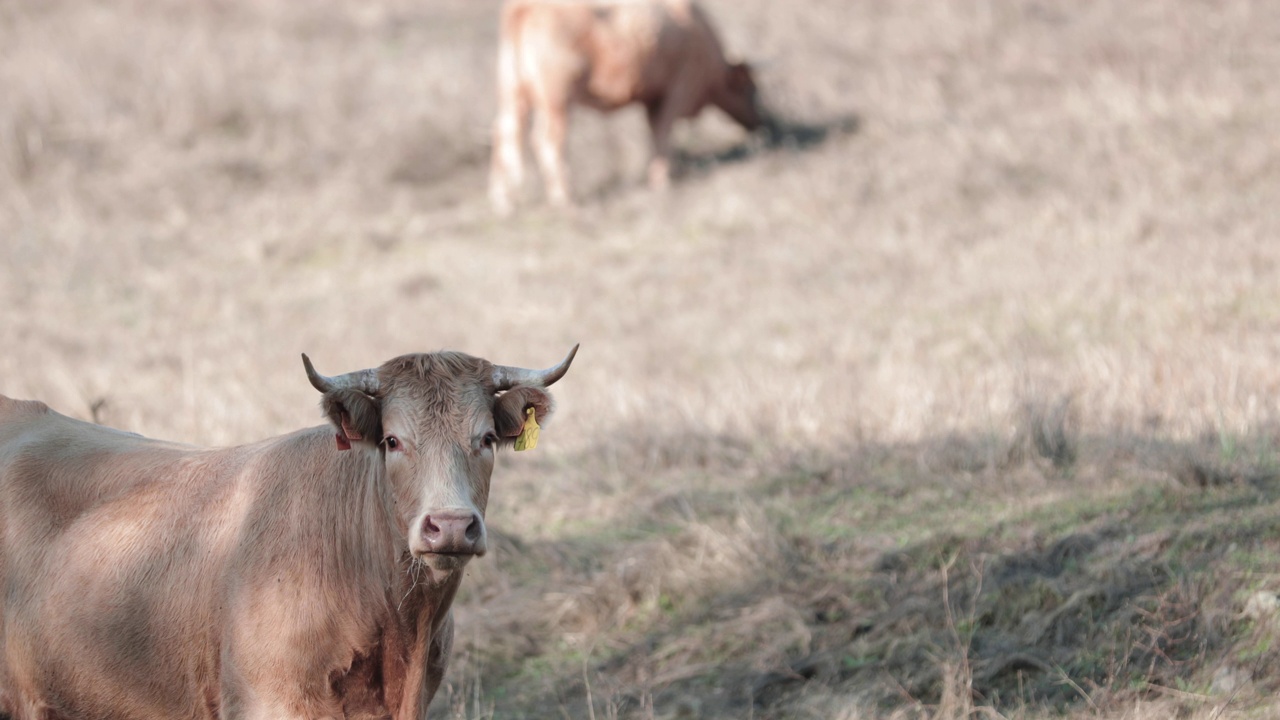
453	533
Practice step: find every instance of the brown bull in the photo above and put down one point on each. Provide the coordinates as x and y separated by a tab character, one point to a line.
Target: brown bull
662	54
306	576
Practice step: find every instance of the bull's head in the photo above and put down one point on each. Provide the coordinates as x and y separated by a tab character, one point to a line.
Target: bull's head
435	420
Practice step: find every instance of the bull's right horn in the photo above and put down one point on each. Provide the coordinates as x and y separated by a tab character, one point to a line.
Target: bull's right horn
505	378
366	381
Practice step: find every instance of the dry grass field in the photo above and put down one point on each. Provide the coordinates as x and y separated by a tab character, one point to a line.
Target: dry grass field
963	404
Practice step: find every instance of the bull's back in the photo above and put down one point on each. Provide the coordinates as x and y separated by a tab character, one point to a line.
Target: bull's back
101	555
56	469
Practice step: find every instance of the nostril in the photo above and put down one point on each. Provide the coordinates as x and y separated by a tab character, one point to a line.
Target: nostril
429	528
474	530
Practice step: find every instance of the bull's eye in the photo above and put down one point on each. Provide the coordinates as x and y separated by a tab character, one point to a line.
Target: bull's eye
391	442
490	439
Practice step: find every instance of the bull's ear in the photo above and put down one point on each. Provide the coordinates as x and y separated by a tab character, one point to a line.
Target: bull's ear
355	415
509	410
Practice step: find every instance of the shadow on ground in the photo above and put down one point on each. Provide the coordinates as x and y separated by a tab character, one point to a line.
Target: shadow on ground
892	577
781	136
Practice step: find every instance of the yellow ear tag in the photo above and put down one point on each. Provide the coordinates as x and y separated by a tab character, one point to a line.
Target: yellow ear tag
528	439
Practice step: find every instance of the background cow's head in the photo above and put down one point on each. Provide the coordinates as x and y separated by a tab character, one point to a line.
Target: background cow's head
739	97
436	420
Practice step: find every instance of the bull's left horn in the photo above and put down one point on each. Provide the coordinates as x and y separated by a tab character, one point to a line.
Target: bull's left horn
505	378
366	381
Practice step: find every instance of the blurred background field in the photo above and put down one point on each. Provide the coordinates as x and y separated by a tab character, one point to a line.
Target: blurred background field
972	401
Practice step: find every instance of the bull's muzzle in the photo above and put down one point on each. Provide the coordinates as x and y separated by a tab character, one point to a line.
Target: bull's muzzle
456	533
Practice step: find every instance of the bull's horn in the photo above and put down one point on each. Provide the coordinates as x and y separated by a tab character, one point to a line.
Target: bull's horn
505	378
366	381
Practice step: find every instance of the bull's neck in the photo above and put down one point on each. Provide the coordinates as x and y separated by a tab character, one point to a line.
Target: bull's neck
365	524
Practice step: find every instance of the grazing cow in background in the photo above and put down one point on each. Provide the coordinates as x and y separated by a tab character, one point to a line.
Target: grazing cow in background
306	576
606	54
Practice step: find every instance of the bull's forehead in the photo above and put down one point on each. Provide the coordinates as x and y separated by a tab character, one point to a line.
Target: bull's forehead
440	393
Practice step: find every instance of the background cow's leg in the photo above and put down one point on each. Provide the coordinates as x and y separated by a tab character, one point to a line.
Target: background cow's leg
660	133
680	101
550	128
506	173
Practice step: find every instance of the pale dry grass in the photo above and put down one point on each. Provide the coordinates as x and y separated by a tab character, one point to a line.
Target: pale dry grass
1050	218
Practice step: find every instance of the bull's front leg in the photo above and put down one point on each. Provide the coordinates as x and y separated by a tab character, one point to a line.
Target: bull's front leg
438	659
428	660
287	696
